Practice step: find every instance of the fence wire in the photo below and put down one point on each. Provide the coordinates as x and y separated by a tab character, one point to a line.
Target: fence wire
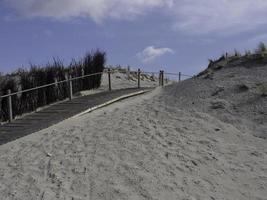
72	85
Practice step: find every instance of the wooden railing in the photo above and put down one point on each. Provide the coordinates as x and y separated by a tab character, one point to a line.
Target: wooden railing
161	78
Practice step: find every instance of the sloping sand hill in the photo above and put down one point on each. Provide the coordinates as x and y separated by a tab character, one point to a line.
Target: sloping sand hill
199	139
120	80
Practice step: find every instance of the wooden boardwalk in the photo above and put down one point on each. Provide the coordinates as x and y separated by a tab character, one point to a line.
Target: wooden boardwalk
56	113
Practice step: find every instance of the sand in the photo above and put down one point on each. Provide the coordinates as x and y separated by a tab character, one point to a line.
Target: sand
120	80
176	142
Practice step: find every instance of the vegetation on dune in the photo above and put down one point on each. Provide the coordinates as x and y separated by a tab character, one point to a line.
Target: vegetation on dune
261	50
247	59
53	72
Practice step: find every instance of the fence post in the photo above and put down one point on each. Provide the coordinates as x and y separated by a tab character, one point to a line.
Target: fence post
10	112
128	72
70	88
138	75
162	83
56	88
180	75
109	80
159	77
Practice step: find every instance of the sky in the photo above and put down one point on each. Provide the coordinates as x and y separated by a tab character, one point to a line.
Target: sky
172	35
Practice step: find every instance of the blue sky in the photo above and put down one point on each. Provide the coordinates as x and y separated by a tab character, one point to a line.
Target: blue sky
174	35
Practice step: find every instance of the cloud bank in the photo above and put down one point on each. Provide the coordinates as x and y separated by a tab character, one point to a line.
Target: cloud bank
151	53
188	16
99	10
220	16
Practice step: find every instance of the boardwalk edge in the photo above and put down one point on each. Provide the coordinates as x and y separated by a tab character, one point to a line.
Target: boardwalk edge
110	102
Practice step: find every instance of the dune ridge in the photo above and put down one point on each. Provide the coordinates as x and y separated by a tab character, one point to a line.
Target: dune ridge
203	138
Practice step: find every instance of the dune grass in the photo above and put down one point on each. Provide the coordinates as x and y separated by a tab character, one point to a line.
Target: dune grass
52	72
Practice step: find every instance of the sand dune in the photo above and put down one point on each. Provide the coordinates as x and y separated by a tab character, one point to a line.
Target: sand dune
190	141
120	80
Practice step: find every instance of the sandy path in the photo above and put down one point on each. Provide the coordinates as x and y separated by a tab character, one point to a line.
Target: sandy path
143	148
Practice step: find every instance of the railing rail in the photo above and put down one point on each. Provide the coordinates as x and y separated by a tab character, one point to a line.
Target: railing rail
70	79
82	77
50	84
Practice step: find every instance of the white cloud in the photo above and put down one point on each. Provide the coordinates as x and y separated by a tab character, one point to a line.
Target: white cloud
219	16
189	16
150	53
98	10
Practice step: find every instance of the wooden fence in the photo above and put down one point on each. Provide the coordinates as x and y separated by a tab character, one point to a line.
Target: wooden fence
69	84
